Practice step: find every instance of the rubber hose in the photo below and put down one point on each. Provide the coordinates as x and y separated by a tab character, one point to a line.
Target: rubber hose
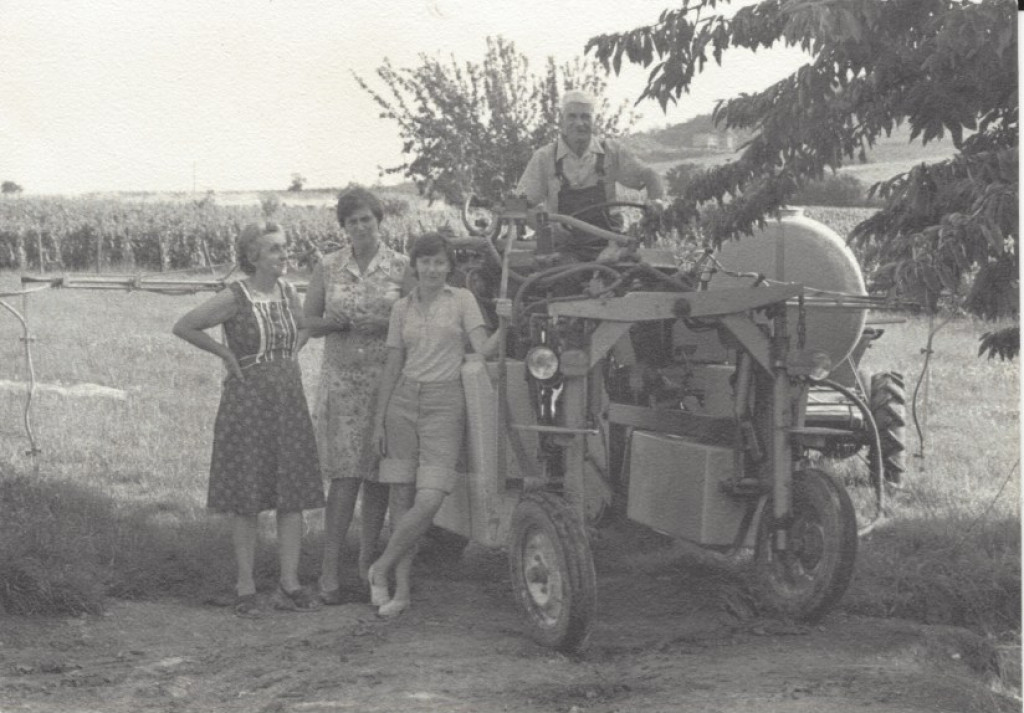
876	445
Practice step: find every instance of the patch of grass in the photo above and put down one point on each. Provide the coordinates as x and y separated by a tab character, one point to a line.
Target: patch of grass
67	547
950	549
114	505
942	572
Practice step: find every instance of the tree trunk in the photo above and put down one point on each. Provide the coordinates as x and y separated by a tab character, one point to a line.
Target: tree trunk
127	252
20	258
165	256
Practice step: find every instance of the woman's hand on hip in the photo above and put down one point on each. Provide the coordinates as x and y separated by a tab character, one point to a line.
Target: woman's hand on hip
233	367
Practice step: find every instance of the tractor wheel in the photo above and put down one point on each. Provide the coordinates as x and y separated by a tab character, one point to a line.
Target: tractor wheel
810	575
441	545
888	406
552	571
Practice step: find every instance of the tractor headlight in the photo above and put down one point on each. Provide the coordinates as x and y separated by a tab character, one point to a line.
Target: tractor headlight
542	363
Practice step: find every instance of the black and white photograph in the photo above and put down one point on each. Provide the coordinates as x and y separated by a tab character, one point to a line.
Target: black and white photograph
499	356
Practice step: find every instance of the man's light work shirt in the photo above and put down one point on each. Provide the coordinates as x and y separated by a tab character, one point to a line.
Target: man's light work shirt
540	184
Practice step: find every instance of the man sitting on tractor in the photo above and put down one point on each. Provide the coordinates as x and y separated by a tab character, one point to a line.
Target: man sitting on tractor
577	174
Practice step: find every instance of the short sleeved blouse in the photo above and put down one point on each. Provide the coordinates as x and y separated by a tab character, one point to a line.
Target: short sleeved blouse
434	338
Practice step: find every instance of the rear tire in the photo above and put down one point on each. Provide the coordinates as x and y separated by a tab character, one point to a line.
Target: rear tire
806	579
888	406
552	572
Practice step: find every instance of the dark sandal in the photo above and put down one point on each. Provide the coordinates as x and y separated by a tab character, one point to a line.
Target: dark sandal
331	597
300	600
343	595
247	606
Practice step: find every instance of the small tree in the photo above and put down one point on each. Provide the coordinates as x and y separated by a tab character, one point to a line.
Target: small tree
270	204
298	182
464	126
10	188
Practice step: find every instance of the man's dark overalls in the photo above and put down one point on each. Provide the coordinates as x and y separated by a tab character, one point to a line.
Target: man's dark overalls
575	202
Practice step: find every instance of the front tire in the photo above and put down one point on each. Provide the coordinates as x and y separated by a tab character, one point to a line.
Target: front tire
806	579
552	572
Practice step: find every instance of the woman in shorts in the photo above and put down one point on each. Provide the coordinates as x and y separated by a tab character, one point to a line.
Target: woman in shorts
421	409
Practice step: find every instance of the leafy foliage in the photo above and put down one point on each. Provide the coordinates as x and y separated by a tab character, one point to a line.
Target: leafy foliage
834	190
938	65
9	187
467	126
1002	343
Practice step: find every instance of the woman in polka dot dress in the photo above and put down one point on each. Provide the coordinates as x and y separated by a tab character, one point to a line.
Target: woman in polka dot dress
264	450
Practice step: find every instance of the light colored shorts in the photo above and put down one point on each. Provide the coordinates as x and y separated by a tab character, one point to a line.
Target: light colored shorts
424	424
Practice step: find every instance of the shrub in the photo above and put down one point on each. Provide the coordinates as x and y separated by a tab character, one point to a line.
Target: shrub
841	190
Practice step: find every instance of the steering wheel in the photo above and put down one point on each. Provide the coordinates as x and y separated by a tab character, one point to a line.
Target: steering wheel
479	218
648	232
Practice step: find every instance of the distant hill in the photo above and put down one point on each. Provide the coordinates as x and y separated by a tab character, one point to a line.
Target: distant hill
699	141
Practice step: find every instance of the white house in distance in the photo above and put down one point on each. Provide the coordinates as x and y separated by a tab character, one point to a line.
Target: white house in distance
716	141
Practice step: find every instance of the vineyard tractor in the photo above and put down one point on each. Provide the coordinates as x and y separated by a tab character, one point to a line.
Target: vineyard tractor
694	399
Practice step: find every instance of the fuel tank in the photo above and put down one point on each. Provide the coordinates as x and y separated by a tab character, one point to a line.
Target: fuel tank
795	248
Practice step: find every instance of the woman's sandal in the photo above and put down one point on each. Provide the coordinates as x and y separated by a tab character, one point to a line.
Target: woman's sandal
343	595
331	597
300	600
393	608
247	606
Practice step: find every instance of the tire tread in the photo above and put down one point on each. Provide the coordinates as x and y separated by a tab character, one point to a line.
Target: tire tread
572	635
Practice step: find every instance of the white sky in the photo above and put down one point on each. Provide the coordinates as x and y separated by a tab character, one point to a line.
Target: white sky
119	95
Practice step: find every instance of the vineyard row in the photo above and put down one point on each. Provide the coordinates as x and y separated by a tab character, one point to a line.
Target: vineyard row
50	234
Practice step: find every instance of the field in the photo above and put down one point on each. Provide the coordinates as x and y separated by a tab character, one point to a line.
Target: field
111	509
890	156
171	232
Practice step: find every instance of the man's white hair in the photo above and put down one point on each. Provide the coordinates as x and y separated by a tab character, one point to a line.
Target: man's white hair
575	96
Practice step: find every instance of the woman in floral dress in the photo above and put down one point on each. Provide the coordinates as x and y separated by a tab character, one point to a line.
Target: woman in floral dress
264	453
348	303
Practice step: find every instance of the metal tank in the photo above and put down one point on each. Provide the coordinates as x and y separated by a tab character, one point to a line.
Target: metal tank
795	248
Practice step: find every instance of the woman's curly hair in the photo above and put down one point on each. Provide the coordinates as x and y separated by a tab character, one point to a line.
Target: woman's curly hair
249	239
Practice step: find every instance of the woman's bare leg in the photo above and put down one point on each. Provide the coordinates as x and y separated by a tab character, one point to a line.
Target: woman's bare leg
341	502
372	512
401	500
289	548
402	544
243	537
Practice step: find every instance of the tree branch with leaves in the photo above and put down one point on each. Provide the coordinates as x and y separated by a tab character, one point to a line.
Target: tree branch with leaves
939	66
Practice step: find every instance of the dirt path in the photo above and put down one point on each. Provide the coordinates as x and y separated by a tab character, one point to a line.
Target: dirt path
672	640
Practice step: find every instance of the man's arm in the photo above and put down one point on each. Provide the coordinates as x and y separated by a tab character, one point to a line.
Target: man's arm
634	173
